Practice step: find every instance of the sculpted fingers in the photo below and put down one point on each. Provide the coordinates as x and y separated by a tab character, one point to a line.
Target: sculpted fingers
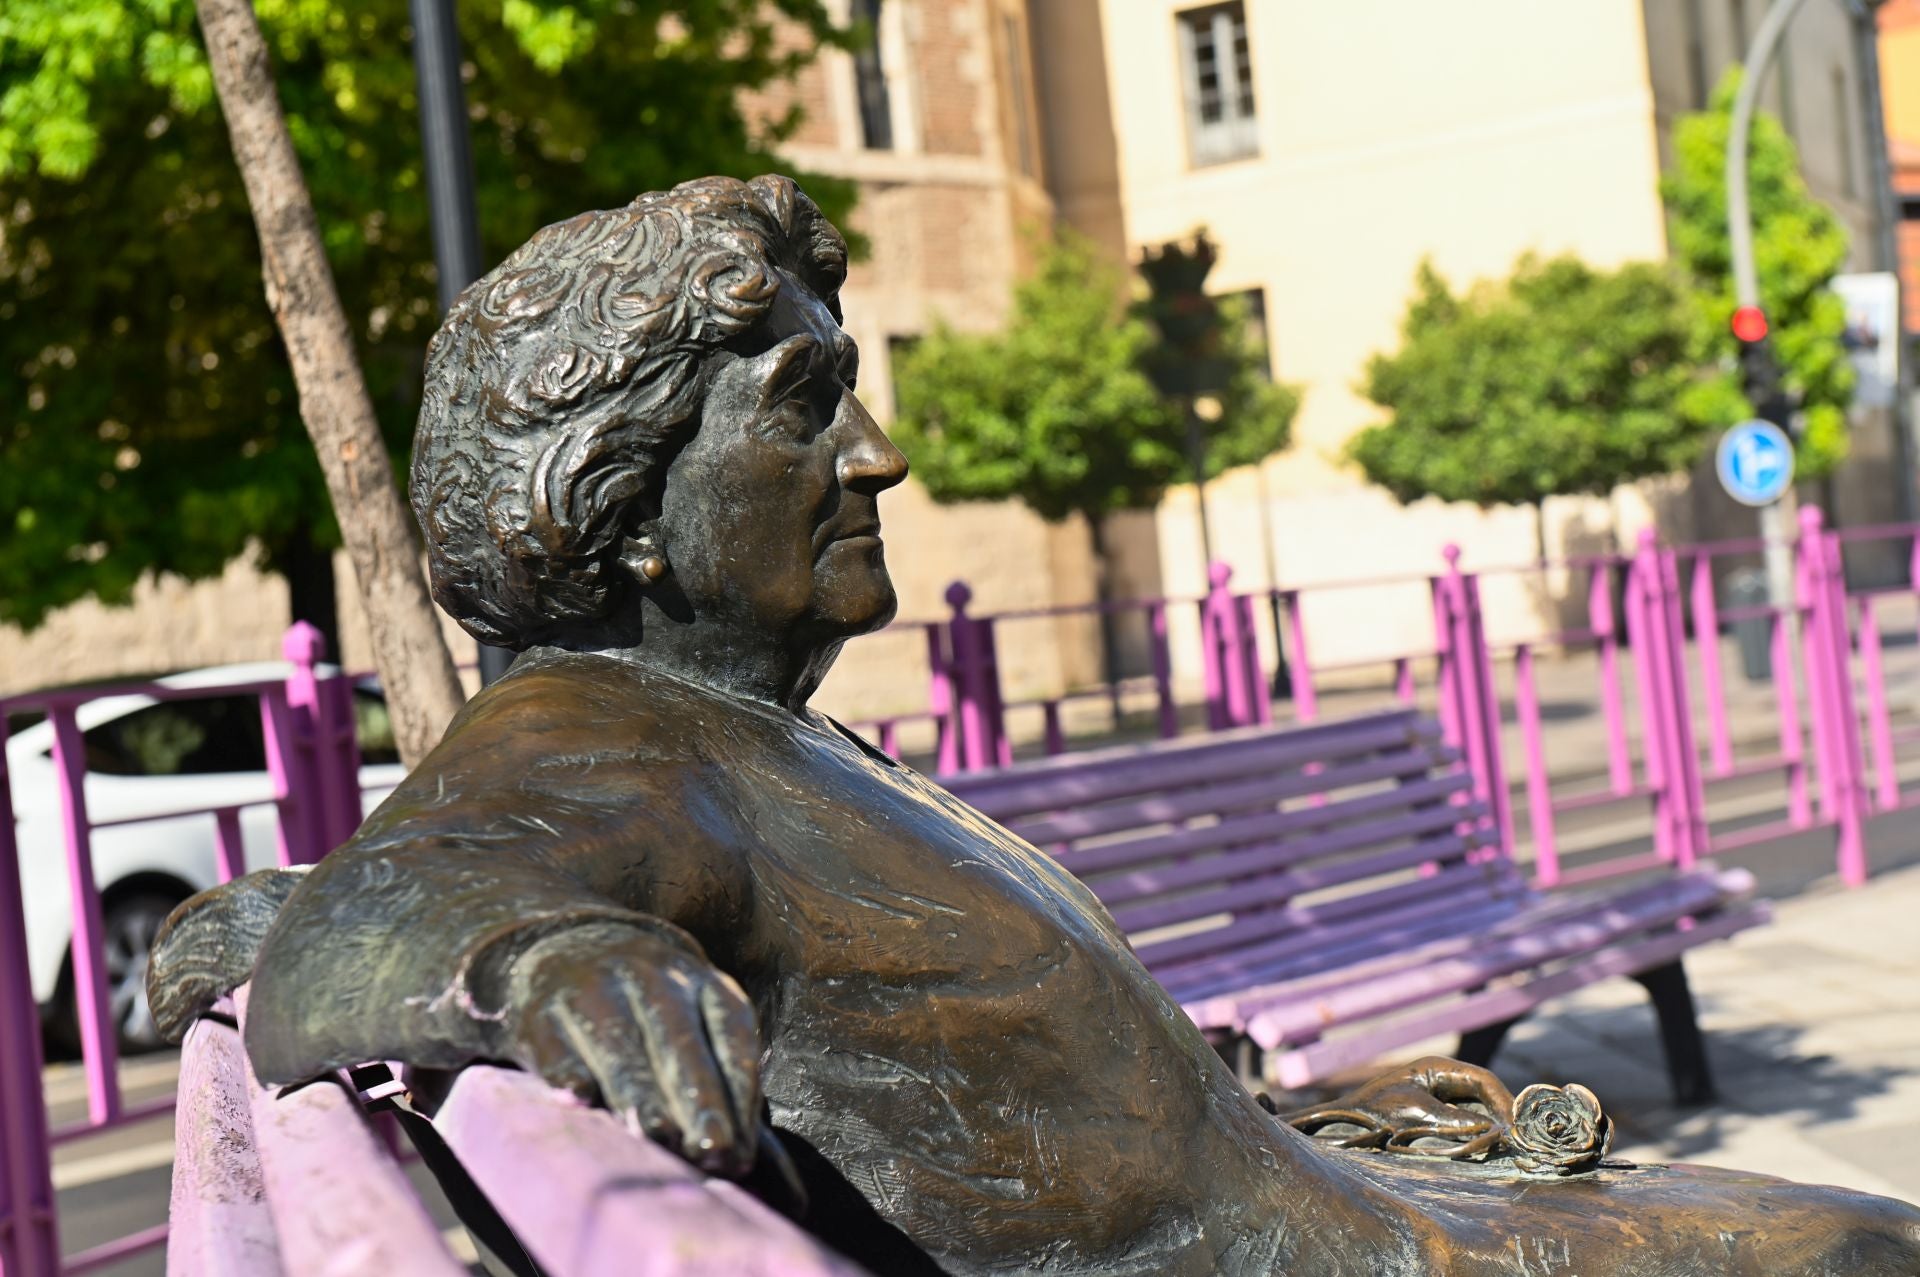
206	947
735	1033
666	1005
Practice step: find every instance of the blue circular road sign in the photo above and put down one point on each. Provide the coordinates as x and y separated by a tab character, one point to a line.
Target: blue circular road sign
1755	462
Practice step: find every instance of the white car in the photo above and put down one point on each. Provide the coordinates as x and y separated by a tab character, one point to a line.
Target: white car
149	757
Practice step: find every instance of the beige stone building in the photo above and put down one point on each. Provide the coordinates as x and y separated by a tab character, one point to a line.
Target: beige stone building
1328	148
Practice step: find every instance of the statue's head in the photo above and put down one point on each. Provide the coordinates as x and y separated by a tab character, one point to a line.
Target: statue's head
661	385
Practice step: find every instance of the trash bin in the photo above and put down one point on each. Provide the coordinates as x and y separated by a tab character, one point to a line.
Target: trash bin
1747	588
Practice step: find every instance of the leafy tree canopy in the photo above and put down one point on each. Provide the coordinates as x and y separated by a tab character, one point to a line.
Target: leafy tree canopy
1799	245
1562	379
147	413
1056	409
1567	379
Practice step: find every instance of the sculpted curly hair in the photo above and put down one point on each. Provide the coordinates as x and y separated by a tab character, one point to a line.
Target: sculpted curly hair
562	384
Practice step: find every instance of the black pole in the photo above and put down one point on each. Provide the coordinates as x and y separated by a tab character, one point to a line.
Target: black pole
449	165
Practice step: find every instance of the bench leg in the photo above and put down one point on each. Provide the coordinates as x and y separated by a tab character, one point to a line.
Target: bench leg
1478	1045
1680	1035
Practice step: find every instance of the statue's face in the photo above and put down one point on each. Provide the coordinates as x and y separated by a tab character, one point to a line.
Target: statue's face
769	518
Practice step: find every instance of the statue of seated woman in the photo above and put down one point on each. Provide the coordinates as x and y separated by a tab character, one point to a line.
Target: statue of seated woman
641	867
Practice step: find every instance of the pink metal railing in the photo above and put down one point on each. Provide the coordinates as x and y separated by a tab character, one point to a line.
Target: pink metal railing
312	762
1652	624
1662	696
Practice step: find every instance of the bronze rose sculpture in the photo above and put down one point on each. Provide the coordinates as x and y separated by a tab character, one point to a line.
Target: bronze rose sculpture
640	866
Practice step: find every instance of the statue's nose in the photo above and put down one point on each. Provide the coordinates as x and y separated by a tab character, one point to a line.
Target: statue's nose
868	460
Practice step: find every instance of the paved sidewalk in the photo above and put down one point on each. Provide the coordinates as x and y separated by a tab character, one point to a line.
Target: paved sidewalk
1813	1025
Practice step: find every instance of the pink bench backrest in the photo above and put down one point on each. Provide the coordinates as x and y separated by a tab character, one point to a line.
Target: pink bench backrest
300	1184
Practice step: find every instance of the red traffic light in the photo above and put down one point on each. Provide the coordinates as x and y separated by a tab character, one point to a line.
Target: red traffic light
1750	324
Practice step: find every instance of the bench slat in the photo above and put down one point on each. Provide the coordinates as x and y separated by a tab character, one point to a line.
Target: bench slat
1045	786
221	1225
1276	887
342	1205
1264	790
1438	930
1303	1065
1268	856
1243	829
1397	946
1292	1014
590	1199
1327	920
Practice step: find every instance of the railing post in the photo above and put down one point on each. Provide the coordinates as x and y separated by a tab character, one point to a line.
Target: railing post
1446	660
1642	600
29	1235
99	1042
1213	662
1879	718
977	701
1696	839
1259	699
1706	639
1163	668
941	701
318	735
1306	705
1830	682
1526	704
293	789
1467	678
1793	745
1658	639
1606	630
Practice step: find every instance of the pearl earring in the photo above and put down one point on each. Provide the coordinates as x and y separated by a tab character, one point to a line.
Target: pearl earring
653	567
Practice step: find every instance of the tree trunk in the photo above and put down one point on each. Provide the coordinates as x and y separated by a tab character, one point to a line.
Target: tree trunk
423	690
312	592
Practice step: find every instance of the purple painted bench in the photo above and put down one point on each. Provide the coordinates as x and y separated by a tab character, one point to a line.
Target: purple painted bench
1323	895
302	1183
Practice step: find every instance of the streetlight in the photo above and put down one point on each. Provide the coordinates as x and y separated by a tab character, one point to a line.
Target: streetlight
1757	359
448	158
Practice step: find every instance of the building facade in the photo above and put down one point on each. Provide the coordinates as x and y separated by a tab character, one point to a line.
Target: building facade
1328	149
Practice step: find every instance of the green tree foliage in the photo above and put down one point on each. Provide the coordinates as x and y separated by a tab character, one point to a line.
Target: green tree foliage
1562	379
1799	245
148	418
1056	409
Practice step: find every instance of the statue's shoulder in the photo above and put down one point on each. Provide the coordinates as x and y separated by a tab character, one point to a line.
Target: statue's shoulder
571	701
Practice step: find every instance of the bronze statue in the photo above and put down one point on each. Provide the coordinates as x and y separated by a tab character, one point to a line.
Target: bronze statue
640	866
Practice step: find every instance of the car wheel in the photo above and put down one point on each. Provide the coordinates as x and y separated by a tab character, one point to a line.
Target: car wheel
128	927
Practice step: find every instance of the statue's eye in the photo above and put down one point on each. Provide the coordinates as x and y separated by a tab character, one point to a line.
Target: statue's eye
794	417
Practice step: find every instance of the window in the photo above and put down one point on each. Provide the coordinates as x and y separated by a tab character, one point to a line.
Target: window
373	728
870	81
1217	65
1020	109
181	738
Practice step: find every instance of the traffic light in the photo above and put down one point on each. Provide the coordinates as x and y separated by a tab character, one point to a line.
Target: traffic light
1188	360
1759	371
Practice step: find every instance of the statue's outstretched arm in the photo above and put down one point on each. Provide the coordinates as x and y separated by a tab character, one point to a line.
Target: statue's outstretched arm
442	952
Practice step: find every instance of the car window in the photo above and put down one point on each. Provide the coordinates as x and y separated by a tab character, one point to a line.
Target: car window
181	738
374	727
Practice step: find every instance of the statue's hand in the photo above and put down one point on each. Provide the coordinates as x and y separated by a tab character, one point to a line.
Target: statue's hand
206	947
1424	1101
641	1021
